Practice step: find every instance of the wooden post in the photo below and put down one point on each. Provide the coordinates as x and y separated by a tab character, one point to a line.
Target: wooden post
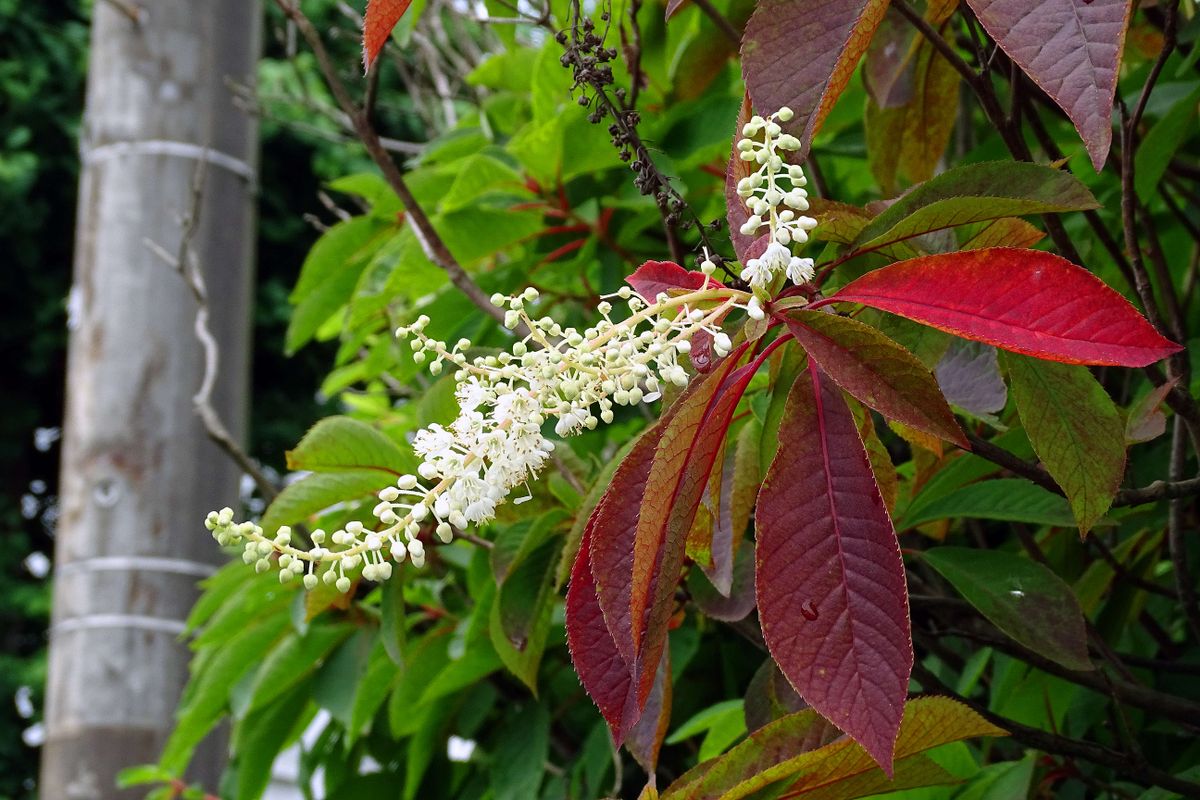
138	472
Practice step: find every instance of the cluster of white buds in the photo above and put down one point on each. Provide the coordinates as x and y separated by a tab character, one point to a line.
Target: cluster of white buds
575	378
772	203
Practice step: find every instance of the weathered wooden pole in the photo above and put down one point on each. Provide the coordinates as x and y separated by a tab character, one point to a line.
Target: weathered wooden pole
138	472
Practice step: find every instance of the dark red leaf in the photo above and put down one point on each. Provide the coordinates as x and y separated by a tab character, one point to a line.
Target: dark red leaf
613	524
830	581
610	539
801	54
679	473
646	737
601	669
657	277
382	16
1026	301
969	376
875	370
1071	49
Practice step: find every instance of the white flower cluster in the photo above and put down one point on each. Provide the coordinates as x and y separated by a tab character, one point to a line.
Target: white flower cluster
773	204
496	444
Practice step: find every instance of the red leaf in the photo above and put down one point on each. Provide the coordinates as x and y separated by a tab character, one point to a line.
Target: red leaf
1071	49
610	543
682	465
801	54
658	277
601	669
1026	301
382	16
830	580
875	370
614	522
646	737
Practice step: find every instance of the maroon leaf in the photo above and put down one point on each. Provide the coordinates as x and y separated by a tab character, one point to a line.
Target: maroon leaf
611	537
662	277
672	7
1026	301
876	371
1146	420
830	581
613	524
604	673
801	54
646	737
682	464
969	375
1071	49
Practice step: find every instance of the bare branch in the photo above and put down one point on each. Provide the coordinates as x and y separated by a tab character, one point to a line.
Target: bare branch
185	262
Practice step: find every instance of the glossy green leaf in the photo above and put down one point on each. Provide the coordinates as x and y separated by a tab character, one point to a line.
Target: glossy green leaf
1021	597
301	499
344	443
520	754
974	193
1003	499
1161	143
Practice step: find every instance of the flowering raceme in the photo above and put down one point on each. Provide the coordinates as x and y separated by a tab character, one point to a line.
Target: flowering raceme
572	378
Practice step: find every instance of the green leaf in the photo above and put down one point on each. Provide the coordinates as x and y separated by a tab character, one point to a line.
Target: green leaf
330	272
259	738
781	755
703	720
1155	151
207	695
343	443
296	658
1004	499
519	623
974	193
1075	430
300	500
518	761
373	687
392	626
372	188
722	724
142	775
480	175
1023	598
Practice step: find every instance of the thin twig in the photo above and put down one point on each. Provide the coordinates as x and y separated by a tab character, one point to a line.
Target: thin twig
719	19
431	242
1123	763
1185	586
184	261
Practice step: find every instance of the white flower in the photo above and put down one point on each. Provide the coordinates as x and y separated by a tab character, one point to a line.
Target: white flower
774	193
800	270
471	466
